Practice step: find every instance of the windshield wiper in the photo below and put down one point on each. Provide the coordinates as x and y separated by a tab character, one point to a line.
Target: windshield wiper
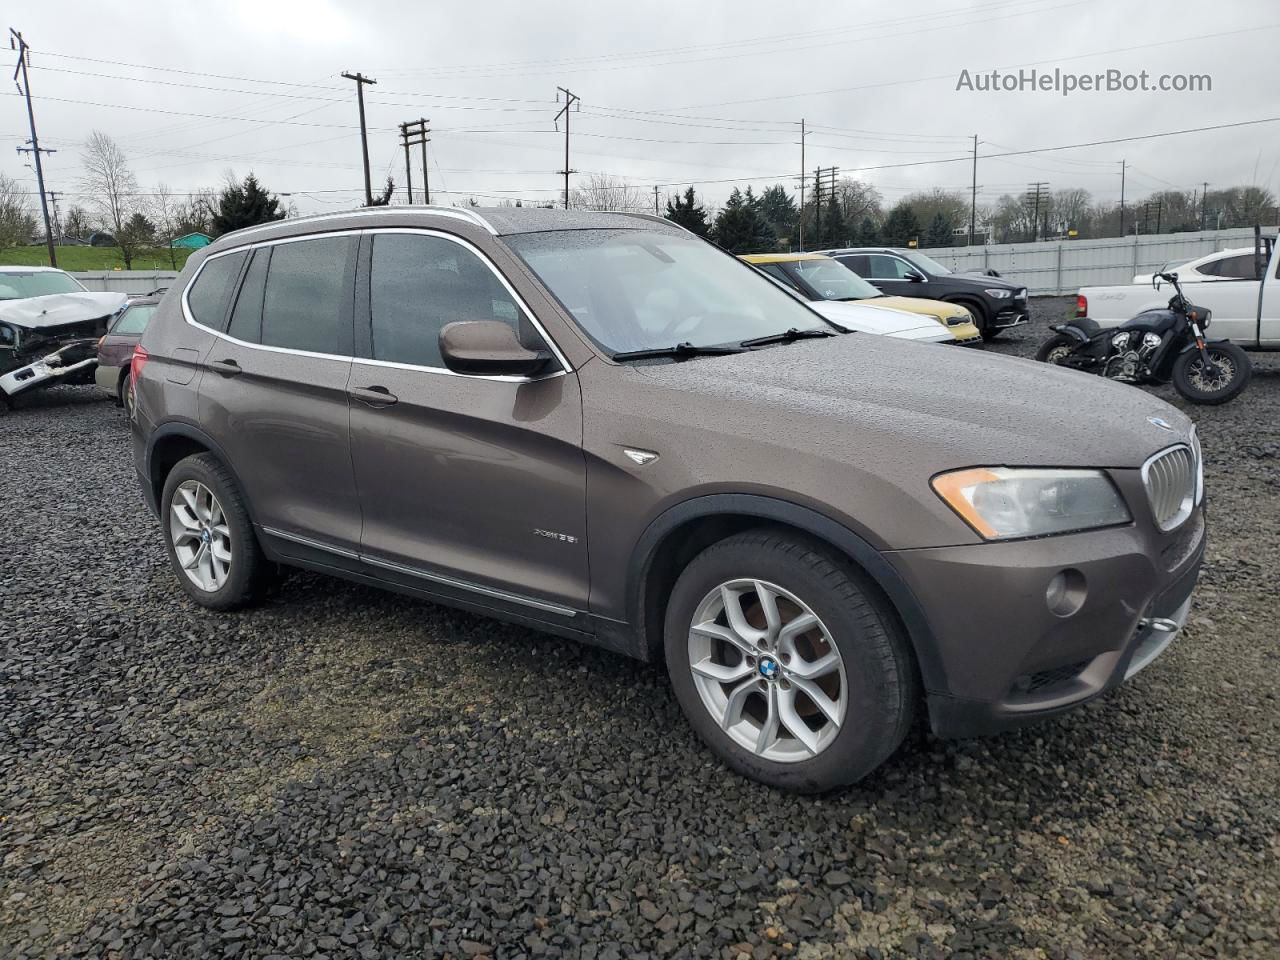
788	336
681	351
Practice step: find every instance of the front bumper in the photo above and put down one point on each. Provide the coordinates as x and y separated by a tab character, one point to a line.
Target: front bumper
67	364
1001	657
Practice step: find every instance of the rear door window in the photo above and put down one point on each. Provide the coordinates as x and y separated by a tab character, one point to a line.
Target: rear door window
210	295
305	306
418	284
1242	266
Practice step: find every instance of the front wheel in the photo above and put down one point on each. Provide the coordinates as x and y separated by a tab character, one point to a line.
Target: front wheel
1222	379
1056	349
788	666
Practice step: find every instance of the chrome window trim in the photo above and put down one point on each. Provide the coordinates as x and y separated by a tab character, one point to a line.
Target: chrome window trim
492	592
565	366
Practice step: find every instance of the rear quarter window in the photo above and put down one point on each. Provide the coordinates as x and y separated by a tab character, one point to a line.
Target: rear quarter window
210	295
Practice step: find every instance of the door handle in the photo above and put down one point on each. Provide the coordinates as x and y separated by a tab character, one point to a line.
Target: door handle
227	368
373	396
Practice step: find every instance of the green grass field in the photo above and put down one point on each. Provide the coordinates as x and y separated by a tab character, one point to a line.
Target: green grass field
91	258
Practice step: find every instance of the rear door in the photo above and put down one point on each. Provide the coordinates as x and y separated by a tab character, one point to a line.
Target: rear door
471	484
889	275
274	390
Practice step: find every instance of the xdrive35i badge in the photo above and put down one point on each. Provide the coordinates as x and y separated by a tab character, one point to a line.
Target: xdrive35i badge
552	535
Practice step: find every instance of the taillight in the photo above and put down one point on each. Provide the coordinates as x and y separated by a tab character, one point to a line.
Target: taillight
1082	305
138	361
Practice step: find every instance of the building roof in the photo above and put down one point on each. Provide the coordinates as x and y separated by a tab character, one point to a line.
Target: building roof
782	257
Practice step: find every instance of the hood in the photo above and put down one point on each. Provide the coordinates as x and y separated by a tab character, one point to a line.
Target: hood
57	309
981	279
924	407
919	305
882	321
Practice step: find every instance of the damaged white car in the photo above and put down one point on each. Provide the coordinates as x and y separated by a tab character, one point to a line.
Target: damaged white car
49	329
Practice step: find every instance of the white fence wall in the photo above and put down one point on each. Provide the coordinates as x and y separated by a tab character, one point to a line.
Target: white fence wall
126	281
1064	266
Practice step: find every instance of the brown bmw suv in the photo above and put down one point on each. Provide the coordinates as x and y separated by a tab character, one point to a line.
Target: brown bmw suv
600	426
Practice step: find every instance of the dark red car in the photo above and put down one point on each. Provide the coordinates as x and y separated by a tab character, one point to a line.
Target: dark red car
115	350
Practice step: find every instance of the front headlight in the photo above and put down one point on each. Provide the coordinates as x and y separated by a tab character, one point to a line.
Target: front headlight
1003	503
999	294
1199	455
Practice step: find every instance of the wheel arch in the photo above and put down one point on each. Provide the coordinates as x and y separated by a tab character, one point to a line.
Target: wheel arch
172	443
684	530
971	302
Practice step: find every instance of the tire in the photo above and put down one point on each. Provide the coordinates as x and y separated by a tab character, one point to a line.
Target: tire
1048	349
246	569
1189	383
121	387
873	689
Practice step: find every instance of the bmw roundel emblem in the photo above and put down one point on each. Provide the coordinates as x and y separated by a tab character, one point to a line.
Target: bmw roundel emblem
768	668
1158	422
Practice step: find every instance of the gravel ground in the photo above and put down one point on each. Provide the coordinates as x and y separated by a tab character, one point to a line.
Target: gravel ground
346	773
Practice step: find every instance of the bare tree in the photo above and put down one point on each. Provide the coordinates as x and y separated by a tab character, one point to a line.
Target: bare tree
858	200
16	220
111	186
164	214
603	191
76	223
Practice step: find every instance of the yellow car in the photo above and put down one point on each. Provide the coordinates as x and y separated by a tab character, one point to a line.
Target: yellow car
819	277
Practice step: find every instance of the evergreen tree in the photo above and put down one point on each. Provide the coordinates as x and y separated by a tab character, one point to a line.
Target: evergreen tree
245	205
687	212
868	234
834	231
139	230
751	200
778	208
939	234
900	227
735	200
740	229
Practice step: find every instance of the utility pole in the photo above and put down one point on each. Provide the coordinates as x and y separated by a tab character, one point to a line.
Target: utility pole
973	197
24	58
1204	201
361	80
414	133
1035	193
1122	198
570	99
655	201
824	188
800	218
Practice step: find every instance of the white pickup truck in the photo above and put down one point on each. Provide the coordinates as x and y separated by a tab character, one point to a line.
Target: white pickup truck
1245	311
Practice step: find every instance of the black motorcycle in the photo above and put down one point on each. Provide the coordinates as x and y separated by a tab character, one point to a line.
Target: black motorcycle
1156	346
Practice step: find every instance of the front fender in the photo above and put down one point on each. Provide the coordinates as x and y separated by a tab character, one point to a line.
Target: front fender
867	557
1193	346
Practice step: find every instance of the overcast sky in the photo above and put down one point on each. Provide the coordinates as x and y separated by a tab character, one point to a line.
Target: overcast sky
671	93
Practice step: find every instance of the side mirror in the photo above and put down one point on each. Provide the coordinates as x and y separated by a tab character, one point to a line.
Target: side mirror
913	277
488	348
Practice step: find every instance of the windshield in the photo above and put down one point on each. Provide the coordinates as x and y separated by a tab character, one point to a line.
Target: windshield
830	279
37	283
930	265
648	289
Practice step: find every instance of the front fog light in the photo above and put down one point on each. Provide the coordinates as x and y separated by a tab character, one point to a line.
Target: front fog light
1002	503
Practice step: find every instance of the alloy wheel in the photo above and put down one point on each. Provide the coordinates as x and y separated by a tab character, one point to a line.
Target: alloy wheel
201	535
1058	354
767	670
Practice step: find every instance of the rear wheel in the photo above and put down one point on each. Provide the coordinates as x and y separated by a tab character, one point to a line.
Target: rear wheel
1222	379
786	664
208	535
1056	349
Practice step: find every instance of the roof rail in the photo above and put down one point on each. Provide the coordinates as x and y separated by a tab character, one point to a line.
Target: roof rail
461	213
